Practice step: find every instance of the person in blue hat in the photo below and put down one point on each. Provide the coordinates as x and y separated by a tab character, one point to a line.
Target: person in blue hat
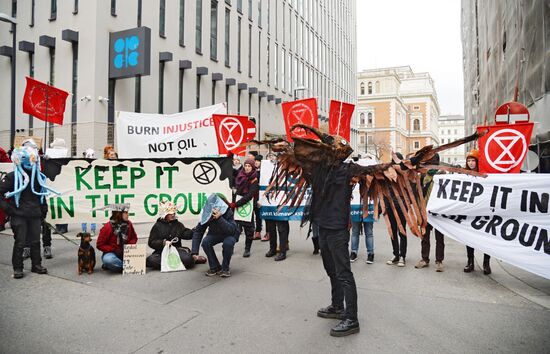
217	218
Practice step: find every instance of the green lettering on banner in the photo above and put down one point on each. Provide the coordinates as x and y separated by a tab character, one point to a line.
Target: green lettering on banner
199	204
61	204
93	198
99	178
105	202
52	208
79	173
135	174
184	204
163	197
170	169
154	206
158	174
117	178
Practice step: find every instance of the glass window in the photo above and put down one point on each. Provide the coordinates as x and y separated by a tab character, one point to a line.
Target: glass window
162	18
227	35
259	13
369	118
362	88
239	41
240	6
369	88
214	29
53	10
198	27
362	118
417	145
249	50
259	56
113	7
182	23
416	125
250	10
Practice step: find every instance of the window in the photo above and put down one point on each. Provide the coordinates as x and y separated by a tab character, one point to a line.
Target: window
161	88
227	35
32	15
249	50
369	88
113	7
362	88
198	103
198	27
369	119
239	20
75	9
240	6
182	24
214	30
362	119
283	69
417	144
260	13
259	56
276	73
162	18
369	140
53	10
416	108
268	60
416	125
250	10
362	139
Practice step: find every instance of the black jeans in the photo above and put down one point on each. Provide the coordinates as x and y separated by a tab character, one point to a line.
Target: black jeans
248	232
258	219
46	236
470	253
25	229
439	245
334	246
283	228
399	243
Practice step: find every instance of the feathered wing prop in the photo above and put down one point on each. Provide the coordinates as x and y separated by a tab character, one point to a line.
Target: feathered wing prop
391	186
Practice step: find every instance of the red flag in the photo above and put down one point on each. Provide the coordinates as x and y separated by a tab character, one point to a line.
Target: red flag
301	111
504	147
41	98
232	131
340	118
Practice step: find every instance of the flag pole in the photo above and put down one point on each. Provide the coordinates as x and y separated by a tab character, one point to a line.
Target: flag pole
46	118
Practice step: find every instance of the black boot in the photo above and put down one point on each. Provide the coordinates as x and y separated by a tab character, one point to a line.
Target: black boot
345	328
315	241
470	266
39	269
246	253
281	256
18	274
271	253
332	312
486	265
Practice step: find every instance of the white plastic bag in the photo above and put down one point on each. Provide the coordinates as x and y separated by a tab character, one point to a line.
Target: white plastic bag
170	260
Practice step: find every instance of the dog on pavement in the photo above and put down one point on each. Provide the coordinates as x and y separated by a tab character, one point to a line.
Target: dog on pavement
86	254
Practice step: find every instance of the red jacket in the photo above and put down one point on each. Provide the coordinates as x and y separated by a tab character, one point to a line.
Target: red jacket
107	241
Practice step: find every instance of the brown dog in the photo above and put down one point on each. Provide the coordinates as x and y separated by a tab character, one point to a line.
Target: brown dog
86	254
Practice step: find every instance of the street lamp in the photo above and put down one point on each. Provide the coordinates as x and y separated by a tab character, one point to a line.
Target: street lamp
13	21
299	88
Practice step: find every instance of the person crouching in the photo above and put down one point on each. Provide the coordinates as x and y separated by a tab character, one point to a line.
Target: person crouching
217	217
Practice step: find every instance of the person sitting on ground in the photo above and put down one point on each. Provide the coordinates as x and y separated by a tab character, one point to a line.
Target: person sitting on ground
246	189
217	217
168	229
118	232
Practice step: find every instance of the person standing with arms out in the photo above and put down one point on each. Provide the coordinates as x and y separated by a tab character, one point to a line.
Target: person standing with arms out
246	188
472	164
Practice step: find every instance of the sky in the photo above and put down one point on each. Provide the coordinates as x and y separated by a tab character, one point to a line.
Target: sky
424	34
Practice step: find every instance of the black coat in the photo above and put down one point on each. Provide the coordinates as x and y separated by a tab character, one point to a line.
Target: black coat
164	230
29	203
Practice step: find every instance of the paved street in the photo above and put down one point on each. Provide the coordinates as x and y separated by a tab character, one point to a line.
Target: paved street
270	307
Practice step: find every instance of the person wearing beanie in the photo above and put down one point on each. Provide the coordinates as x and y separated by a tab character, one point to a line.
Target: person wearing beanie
258	230
246	189
472	163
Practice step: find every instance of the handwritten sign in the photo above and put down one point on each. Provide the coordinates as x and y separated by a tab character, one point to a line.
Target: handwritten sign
133	261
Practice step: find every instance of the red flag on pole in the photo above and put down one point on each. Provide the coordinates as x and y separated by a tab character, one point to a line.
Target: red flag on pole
504	147
43	101
301	111
340	118
232	131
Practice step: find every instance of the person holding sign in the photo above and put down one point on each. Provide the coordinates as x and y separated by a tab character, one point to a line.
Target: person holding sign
118	232
246	188
168	229
472	164
217	217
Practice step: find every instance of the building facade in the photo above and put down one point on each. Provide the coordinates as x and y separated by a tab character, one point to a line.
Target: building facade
451	128
397	110
252	54
506	55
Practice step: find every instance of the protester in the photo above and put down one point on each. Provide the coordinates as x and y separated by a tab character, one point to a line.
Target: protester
217	218
25	204
398	239
427	185
109	153
168	229
258	234
116	233
246	189
369	240
315	238
472	160
273	227
4	158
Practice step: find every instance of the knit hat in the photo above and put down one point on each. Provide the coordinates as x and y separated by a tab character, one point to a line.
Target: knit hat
250	162
259	158
474	154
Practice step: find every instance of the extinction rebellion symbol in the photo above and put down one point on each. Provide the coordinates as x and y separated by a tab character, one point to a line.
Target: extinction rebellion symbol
245	210
205	173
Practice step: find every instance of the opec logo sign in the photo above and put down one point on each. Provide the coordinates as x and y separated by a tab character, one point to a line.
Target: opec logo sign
130	53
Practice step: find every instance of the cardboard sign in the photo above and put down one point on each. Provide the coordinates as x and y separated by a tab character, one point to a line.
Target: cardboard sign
300	112
232	131
19	139
133	261
244	212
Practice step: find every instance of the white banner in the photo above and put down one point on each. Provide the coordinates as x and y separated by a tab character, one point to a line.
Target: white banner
186	134
85	187
504	215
